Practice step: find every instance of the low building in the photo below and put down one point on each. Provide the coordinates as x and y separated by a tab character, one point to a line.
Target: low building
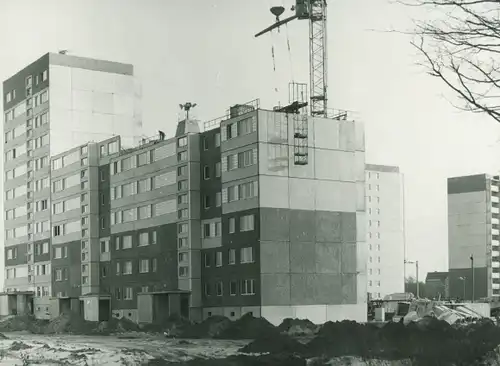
437	285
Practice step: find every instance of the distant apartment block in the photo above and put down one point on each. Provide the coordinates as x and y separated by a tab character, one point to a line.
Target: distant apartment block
385	230
473	229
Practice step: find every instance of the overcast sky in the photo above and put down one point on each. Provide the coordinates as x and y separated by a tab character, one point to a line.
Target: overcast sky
204	51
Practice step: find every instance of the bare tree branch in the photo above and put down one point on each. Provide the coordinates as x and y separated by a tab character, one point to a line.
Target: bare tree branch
461	47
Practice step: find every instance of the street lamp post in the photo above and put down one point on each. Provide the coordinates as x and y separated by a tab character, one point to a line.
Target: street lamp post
472	270
416	267
463	280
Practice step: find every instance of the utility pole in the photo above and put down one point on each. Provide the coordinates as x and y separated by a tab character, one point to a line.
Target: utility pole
472	270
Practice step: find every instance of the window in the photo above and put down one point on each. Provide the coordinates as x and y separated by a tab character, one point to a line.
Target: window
183	257
85	161
182	185
127	268
181	142
212	229
45	75
248	287
206	172
129	293
113	147
218	166
84	150
127	242
246	255
218	199
105	246
207	259
183	228
182	156
183	271
205	143
144	266
206	202
217	139
182	199
232	225
232	288
41	205
220	288
183	213
144	185
247	223
182	170
143	159
218	259
207	289
183	243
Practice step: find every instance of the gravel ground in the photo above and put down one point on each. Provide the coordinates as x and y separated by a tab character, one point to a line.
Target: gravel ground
130	349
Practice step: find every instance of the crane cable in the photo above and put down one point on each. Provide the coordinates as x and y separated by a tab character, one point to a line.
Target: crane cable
289	52
271	37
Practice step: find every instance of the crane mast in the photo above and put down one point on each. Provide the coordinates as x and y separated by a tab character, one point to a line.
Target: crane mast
318	73
315	12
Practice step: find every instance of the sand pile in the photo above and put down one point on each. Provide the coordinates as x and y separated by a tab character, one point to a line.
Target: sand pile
274	343
247	327
298	327
209	328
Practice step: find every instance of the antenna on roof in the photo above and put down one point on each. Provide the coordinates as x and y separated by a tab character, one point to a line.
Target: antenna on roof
63	52
187	106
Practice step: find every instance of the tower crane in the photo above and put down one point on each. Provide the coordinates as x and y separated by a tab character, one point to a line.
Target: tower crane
315	12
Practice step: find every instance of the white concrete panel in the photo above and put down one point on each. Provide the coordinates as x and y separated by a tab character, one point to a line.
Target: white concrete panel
361	226
362	287
60	96
302	171
123	104
274	159
356	312
318	314
360	136
326	134
103	124
347	136
124	84
82	100
273	192
102	102
81	79
103	82
335	196
359	166
302	193
81	119
327	164
60	76
361	196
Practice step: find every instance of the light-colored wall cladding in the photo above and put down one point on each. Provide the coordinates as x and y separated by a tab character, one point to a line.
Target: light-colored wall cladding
88	105
467	229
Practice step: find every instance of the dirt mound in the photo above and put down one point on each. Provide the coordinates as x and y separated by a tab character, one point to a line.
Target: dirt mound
208	328
298	327
247	327
70	323
21	323
122	325
274	343
346	338
266	360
